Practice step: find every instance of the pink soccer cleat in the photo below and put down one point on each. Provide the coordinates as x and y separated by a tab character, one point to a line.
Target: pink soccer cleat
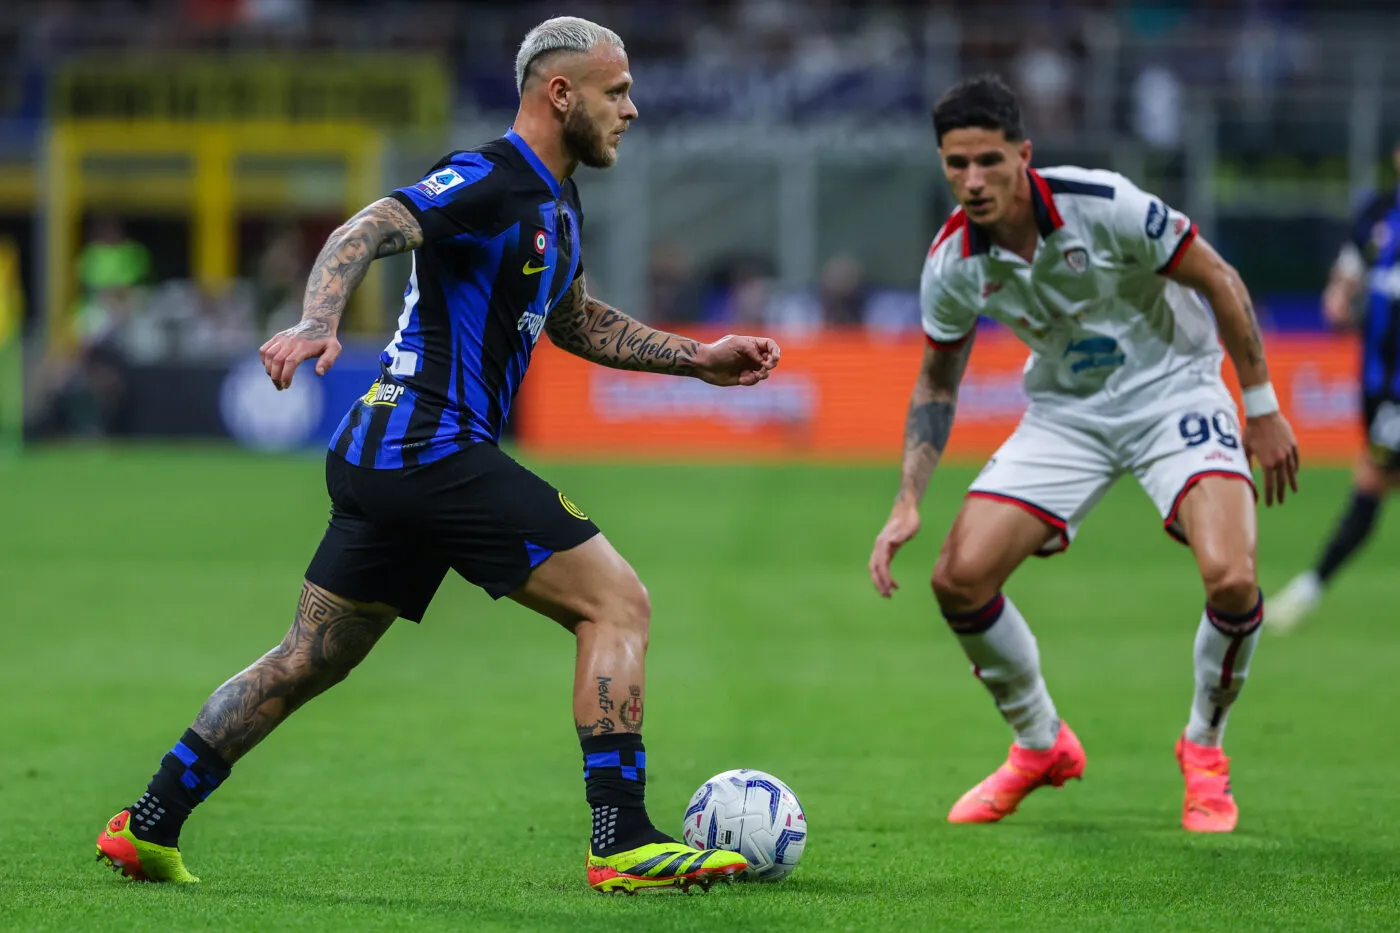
1025	769
1210	806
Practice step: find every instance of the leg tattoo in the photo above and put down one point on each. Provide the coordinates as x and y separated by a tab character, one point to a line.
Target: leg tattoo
329	637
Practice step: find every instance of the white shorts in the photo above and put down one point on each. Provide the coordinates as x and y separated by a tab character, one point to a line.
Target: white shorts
1061	459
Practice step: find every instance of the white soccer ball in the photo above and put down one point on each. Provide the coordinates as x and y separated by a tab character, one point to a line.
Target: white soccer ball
752	813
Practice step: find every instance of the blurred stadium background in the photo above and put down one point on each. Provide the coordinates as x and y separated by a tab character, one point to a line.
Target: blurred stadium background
168	170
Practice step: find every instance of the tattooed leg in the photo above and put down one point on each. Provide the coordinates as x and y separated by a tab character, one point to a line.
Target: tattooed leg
329	637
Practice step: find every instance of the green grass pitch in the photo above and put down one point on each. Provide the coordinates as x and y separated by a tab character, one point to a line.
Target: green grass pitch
440	787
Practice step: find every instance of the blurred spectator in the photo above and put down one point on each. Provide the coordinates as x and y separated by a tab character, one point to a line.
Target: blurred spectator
838	301
842	293
81	389
672	293
280	278
1157	107
1044	76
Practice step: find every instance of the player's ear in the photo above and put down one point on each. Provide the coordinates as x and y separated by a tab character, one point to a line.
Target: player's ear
558	90
1023	149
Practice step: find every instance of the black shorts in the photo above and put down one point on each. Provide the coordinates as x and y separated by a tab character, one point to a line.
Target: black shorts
1382	431
394	534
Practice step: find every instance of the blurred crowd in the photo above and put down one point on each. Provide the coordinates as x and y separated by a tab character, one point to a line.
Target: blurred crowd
1082	64
1280	71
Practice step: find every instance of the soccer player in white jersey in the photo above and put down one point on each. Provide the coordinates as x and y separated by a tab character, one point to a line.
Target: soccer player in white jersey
1103	283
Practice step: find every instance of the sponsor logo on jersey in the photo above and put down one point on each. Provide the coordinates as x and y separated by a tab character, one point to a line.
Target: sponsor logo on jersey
1095	353
1156	220
531	323
440	181
531	267
383	393
1077	258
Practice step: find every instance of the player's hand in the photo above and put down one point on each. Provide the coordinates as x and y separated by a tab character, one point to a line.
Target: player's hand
309	339
1336	306
736	361
902	526
1270	438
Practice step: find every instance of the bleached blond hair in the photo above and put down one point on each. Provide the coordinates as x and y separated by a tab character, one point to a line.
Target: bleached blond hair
560	34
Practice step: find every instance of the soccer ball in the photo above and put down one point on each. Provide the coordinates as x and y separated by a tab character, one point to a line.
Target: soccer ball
752	813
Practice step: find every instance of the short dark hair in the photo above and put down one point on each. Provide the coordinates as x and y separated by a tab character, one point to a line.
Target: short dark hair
984	102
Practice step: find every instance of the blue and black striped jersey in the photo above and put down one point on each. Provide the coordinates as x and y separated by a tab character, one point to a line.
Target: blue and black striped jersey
1376	234
501	246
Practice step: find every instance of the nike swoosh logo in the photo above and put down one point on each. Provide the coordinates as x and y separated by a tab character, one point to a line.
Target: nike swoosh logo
529	269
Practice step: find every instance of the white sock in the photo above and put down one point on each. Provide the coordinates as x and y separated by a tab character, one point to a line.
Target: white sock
1004	656
1224	645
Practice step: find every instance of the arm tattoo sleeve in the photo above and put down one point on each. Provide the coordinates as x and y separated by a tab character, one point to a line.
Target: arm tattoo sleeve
329	637
930	418
595	331
384	228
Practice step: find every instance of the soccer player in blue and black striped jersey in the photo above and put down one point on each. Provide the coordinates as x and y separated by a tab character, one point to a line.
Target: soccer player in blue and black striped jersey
418	484
1368	267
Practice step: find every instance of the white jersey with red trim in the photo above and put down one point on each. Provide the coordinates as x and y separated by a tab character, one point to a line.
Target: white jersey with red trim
1094	305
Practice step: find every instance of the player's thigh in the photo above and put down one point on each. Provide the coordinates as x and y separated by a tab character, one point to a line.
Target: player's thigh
1217	517
1186	436
365	557
590	582
989	539
1054	469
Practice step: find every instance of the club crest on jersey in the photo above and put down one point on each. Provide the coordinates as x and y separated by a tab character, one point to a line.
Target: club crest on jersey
540	242
1077	258
440	181
383	393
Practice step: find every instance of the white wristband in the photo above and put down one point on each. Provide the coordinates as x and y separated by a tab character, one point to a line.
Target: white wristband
1260	400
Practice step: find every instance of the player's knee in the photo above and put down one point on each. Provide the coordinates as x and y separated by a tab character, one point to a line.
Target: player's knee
1231	584
960	585
624	604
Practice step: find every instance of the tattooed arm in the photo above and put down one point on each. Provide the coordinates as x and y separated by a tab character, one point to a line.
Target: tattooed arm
384	228
926	430
1206	271
587	327
1267	436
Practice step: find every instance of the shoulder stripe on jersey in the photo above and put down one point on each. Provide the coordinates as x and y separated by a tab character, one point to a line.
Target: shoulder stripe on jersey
1047	215
955	222
1065	186
1174	260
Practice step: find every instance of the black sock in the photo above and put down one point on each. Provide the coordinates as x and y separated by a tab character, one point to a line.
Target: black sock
188	773
1352	531
615	772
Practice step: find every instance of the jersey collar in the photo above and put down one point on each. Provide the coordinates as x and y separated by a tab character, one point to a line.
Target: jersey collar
1047	216
534	161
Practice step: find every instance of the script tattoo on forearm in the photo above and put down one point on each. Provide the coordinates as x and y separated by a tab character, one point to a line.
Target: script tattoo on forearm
930	419
596	331
383	229
329	637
